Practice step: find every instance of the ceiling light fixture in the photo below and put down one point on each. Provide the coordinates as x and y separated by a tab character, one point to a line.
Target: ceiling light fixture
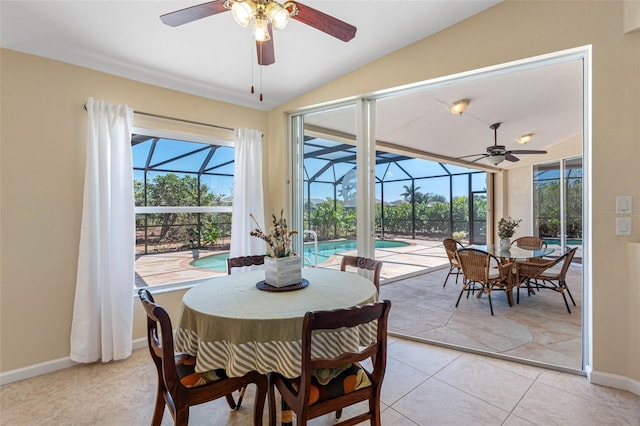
525	138
263	13
460	106
496	159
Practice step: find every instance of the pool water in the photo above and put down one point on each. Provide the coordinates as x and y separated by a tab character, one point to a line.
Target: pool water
218	262
570	241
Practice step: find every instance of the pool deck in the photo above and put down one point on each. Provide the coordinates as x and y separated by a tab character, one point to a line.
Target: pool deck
174	267
418	257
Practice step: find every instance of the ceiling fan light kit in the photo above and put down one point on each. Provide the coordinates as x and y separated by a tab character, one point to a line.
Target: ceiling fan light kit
460	106
266	16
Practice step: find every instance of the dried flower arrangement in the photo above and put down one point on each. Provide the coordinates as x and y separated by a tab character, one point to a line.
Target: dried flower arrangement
507	227
279	243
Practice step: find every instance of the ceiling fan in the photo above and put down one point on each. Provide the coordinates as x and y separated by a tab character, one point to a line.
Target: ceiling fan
265	15
498	153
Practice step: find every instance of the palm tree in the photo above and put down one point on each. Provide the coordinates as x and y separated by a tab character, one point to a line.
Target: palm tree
409	192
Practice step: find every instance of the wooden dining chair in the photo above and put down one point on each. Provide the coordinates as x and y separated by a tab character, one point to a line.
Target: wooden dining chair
450	247
485	272
179	386
331	383
241	261
363	263
549	275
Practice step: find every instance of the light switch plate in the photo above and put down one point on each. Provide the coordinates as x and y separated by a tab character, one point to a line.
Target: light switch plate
623	226
623	205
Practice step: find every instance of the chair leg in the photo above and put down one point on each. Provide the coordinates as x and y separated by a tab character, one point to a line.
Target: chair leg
231	402
158	411
460	296
565	301
262	387
272	404
490	304
240	397
564	284
448	275
182	416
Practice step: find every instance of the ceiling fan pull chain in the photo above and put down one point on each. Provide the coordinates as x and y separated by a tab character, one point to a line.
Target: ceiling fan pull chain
251	62
261	83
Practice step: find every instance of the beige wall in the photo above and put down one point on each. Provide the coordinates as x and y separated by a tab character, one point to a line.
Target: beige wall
516	30
42	172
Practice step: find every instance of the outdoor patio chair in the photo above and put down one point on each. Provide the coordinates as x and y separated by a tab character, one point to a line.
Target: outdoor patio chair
363	263
450	247
529	242
480	268
549	275
328	385
179	386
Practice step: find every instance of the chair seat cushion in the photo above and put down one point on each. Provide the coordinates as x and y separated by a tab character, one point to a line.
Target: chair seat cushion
186	368
331	383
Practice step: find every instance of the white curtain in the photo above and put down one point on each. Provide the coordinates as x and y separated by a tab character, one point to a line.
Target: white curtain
103	310
247	194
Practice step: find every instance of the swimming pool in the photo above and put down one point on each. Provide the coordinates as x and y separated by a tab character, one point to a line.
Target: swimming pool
218	262
570	241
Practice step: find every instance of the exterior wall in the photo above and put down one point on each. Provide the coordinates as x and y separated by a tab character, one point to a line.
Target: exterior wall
43	140
514	30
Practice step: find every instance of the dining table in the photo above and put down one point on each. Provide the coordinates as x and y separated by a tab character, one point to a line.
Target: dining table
236	323
515	252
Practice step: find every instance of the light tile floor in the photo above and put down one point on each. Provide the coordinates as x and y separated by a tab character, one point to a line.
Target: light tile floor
424	385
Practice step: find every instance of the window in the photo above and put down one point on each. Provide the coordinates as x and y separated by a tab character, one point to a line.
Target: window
183	197
557	202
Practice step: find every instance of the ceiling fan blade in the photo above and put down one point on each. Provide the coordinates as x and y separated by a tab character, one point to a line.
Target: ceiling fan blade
193	13
481	158
527	151
325	23
473	155
509	157
266	50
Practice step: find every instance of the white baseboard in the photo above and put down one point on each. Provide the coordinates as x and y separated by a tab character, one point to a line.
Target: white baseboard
614	381
50	366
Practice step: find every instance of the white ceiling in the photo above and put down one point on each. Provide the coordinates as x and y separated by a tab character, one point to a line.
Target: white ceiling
213	57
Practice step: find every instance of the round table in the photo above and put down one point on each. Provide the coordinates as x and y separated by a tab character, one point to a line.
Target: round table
514	252
227	322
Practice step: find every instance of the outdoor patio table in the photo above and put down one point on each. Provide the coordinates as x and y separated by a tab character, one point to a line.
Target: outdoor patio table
514	252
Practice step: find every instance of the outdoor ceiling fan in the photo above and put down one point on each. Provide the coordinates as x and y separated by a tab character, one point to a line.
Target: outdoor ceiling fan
496	154
265	15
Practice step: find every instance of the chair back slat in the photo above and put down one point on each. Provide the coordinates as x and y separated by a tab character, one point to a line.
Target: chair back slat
363	263
242	261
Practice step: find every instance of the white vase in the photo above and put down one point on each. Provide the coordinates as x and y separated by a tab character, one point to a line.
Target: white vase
505	243
283	271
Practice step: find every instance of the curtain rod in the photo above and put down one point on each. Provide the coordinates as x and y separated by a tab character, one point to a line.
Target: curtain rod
149	114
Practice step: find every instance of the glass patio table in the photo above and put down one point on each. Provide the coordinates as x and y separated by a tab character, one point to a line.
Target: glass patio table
514	252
